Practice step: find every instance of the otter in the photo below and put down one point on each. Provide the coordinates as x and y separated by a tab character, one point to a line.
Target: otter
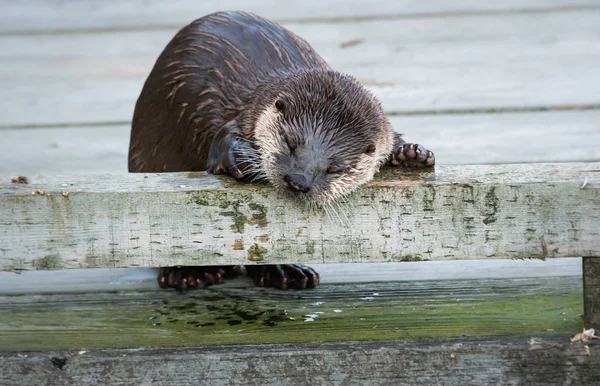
234	93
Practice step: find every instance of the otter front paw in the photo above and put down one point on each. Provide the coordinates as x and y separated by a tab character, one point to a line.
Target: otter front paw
412	155
237	158
230	153
182	278
284	276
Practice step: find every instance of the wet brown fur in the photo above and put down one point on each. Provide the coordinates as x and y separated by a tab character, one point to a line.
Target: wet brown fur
203	79
225	73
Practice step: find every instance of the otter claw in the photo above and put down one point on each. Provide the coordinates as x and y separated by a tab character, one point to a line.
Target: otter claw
235	172
409	152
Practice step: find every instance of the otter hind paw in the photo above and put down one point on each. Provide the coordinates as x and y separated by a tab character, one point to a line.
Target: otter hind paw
412	155
284	276
182	278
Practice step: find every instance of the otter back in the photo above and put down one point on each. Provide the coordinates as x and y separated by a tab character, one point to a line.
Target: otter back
204	78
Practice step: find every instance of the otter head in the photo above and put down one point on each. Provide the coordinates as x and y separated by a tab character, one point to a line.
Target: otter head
320	134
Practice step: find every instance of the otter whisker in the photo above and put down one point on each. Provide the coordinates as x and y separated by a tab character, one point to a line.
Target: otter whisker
336	210
337	219
329	216
259	178
345	221
347	207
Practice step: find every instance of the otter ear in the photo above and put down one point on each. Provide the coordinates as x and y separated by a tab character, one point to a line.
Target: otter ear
279	105
370	149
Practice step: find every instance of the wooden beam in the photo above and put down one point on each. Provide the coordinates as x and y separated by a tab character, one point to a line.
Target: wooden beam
455	212
591	291
456	362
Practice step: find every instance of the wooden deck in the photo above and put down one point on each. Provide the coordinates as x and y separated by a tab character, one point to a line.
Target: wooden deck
515	81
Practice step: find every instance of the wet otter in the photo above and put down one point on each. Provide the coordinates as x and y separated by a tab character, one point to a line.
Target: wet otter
237	94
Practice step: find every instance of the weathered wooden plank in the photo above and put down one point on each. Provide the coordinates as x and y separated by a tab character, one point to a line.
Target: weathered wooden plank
498	138
506	138
430	64
408	311
549	361
460	212
64	150
591	291
52	15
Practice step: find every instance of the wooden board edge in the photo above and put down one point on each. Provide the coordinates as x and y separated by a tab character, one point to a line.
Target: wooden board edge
552	360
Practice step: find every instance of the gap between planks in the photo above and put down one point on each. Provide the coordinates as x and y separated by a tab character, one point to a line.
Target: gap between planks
144	279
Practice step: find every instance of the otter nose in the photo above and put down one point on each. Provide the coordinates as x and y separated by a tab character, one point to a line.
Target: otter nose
297	182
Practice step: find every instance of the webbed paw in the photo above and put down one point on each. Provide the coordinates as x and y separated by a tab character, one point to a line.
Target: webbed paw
185	277
237	158
284	276
412	155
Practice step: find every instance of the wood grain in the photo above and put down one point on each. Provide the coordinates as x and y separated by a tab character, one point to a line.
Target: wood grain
52	15
461	212
64	150
591	291
456	139
414	65
486	361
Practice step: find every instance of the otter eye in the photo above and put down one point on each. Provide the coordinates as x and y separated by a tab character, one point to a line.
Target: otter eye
291	145
370	149
279	105
333	169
